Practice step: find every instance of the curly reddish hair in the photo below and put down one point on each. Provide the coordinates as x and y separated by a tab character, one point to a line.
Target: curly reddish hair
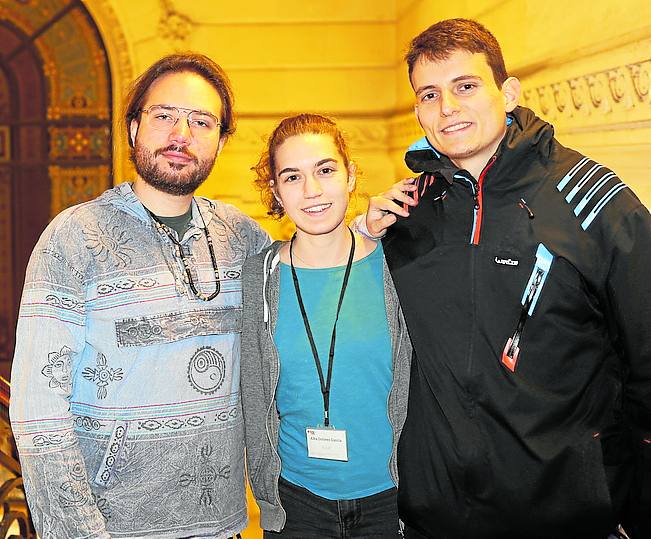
301	124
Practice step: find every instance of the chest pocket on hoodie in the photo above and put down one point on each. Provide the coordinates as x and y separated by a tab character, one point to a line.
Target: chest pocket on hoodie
170	327
530	296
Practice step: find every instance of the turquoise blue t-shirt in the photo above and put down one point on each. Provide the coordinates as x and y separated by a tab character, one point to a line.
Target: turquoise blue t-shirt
361	378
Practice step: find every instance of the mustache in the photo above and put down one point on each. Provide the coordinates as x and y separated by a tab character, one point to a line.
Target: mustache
177	149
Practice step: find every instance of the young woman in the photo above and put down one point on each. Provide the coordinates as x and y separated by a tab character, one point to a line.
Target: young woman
325	353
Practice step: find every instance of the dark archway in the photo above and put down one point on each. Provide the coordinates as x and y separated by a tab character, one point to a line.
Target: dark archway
55	149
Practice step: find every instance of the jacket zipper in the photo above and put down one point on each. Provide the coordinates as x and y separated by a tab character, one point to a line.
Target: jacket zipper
268	321
478	216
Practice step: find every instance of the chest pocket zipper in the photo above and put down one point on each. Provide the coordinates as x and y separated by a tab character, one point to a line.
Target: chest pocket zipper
544	259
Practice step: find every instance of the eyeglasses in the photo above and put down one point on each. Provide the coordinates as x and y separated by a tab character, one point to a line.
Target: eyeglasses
164	117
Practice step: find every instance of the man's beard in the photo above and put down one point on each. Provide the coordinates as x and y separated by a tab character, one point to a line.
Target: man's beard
171	178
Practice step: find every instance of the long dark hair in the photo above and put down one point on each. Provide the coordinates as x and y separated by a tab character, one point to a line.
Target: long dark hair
179	63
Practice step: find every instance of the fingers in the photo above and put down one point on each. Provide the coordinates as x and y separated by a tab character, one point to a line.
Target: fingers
395	198
383	209
407	184
381	205
378	226
381	214
399	191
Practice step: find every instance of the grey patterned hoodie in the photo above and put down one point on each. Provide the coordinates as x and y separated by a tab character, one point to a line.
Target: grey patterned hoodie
125	387
260	371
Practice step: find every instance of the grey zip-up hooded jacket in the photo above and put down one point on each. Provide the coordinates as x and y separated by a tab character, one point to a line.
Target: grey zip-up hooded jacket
260	366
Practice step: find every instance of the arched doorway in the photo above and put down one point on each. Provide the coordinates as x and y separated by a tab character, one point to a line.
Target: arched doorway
55	114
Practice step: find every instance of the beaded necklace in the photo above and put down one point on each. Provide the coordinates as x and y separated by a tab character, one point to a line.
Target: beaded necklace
162	227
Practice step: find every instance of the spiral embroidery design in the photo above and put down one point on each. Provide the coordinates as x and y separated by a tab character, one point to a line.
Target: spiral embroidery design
206	370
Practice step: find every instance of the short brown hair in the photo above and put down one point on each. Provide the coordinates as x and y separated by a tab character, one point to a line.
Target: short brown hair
443	38
301	124
179	63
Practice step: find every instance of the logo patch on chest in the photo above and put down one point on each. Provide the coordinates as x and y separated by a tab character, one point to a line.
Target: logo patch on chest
506	261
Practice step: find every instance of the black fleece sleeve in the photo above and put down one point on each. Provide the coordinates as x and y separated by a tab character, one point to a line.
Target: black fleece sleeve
628	288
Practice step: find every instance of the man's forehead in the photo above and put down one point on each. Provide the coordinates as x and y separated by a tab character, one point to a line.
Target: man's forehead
186	90
459	63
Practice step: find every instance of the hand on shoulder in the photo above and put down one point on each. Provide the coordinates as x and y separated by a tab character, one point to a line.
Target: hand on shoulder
384	208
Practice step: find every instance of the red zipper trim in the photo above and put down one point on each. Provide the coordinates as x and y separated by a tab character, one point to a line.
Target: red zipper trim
480	200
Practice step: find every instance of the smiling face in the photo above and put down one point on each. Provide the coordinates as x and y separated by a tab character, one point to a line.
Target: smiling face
176	161
313	183
461	109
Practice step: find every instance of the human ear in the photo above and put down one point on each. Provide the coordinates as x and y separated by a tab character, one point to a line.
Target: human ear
133	131
352	176
272	186
511	93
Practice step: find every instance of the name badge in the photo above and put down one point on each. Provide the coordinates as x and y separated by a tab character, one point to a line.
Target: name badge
327	444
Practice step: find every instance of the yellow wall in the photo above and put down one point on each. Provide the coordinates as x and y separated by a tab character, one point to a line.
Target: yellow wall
344	58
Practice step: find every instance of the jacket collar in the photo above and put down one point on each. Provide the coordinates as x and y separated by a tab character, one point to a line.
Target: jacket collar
123	196
525	133
272	256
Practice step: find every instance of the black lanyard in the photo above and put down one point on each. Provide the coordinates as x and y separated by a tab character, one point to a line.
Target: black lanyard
325	385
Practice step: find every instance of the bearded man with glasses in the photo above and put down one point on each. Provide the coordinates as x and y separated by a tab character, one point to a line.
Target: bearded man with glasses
125	386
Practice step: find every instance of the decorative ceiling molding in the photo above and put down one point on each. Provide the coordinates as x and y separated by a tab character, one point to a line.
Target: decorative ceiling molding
174	26
618	94
368	135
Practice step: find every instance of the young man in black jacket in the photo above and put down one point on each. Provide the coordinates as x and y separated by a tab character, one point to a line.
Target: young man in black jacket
522	269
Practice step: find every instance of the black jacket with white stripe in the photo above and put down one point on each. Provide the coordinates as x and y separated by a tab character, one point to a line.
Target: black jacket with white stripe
528	300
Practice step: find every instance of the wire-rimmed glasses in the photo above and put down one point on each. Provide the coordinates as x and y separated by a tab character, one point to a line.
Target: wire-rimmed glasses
164	117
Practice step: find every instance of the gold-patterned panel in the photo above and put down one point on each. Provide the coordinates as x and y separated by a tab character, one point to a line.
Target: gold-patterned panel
76	69
74	65
30	15
79	142
27	16
72	186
